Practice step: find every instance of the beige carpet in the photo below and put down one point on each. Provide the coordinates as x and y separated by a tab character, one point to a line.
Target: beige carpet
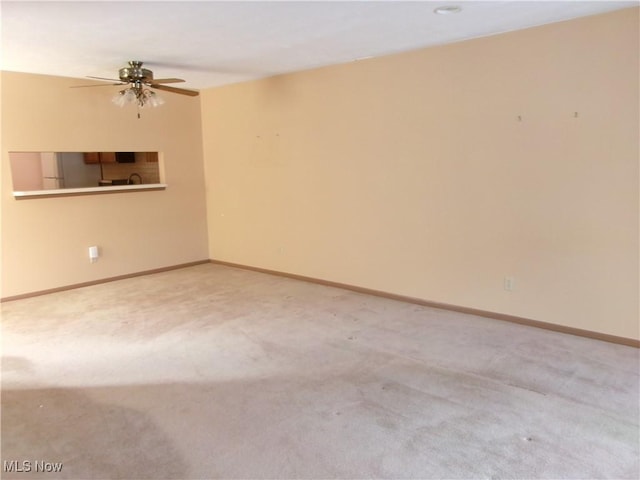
215	372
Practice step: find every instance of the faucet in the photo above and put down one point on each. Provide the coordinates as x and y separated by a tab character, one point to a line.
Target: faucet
134	175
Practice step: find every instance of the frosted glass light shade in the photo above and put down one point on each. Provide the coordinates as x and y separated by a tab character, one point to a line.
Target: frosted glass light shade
143	97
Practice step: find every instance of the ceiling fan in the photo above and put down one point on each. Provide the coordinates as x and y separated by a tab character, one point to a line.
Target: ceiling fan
140	80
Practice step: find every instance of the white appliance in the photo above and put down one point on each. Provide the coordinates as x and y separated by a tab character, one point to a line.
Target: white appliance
76	173
52	171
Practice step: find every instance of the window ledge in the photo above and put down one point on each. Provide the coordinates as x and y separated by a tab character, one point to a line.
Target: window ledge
66	192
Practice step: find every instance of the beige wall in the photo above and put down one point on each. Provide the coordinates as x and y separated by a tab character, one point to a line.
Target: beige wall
45	241
436	173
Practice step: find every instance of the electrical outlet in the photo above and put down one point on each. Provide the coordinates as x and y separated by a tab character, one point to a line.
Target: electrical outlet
509	284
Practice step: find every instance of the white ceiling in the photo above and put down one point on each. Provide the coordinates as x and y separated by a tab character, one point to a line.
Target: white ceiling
214	43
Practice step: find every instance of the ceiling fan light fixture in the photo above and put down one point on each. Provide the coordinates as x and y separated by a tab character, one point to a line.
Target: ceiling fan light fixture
123	97
139	83
141	96
153	99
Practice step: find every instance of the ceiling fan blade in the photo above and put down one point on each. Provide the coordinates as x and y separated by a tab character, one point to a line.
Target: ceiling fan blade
103	85
181	91
109	79
168	80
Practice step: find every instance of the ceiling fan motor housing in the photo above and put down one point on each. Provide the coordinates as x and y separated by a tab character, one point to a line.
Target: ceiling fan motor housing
135	73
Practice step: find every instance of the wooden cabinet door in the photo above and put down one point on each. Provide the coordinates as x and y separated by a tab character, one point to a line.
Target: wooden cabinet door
100	157
92	157
107	157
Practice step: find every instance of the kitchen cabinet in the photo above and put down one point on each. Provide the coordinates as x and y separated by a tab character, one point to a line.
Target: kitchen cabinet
99	157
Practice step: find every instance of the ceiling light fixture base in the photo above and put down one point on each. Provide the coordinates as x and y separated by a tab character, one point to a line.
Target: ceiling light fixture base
447	9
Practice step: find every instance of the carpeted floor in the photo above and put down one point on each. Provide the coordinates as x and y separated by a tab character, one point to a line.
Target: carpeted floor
216	372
